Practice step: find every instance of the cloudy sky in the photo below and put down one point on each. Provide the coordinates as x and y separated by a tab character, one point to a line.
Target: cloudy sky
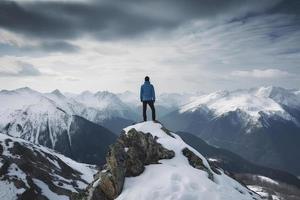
183	45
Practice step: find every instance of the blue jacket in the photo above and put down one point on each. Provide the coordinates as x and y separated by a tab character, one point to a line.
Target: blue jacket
147	92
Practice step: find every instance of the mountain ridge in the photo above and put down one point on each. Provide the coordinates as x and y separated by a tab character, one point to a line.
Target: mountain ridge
148	154
267	135
30	171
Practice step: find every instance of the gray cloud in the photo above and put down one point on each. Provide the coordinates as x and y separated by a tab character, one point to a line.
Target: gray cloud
257	73
194	44
114	18
28	70
38	49
60	46
21	69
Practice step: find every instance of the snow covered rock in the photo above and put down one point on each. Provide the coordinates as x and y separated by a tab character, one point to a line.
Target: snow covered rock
29	171
150	162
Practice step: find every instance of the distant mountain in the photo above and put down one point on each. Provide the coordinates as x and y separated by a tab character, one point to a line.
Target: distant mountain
29	171
130	98
260	124
51	120
106	109
107	104
165	102
102	108
284	184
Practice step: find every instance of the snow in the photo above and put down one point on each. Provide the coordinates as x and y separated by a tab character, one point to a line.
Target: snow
14	170
87	171
65	186
8	191
259	190
101	100
267	179
264	194
33	112
28	112
175	179
252	102
280	95
213	159
47	192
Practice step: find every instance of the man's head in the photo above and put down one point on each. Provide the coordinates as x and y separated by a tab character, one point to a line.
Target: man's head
147	78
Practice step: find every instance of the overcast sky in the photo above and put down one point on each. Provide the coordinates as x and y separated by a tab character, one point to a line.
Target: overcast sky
184	46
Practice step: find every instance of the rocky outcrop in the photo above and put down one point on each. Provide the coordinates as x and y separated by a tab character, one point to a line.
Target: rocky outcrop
197	162
27	169
127	157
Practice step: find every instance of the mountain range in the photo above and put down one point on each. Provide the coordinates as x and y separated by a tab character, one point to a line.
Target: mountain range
86	127
260	124
251	134
54	121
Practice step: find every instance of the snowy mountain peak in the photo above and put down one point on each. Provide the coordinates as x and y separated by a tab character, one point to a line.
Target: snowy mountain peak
106	94
26	90
57	93
102	100
281	96
150	162
253	102
86	93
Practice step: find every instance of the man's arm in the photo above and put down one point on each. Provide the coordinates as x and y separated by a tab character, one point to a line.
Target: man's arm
153	93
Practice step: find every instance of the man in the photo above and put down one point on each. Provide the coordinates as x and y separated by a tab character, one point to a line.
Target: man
147	96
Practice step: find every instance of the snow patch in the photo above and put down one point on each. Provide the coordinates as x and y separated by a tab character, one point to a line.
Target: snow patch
8	191
15	171
47	192
259	190
213	159
268	180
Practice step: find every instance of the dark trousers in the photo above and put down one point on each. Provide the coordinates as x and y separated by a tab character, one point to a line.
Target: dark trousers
151	104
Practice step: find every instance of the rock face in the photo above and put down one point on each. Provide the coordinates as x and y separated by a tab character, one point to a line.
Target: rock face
196	162
126	158
29	171
287	186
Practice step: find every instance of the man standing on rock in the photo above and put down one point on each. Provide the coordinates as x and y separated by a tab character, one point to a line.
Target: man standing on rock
147	96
